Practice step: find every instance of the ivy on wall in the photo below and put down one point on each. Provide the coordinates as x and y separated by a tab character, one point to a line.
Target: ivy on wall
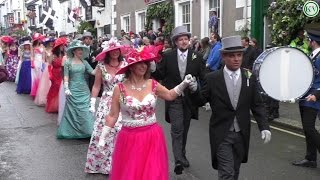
287	18
163	10
86	26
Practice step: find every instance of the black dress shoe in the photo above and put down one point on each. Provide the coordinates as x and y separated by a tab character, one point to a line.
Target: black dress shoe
178	168
185	162
305	163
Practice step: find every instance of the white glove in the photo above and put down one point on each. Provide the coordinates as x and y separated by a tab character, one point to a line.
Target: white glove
66	89
193	86
92	105
185	83
102	139
266	135
153	66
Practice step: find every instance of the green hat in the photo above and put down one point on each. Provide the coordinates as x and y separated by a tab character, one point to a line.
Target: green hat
77	44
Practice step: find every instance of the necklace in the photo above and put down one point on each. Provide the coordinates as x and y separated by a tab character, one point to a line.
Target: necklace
113	65
138	88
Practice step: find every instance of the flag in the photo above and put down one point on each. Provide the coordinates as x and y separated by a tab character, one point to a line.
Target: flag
85	3
47	17
98	3
71	16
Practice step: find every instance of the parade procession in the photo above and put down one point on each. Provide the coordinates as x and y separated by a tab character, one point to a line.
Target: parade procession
159	89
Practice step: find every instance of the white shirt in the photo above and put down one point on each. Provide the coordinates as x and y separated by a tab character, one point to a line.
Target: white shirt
183	55
238	72
314	53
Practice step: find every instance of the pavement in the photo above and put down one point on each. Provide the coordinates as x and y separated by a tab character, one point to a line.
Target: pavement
29	149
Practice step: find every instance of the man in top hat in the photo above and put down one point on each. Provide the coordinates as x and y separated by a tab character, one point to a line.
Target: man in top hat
87	41
52	34
171	70
232	92
309	109
63	34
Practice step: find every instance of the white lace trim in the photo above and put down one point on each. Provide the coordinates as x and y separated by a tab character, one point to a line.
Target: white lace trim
138	123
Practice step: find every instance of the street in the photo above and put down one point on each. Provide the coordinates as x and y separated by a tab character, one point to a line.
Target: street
29	149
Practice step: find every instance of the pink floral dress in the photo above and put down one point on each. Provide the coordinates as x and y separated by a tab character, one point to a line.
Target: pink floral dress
99	160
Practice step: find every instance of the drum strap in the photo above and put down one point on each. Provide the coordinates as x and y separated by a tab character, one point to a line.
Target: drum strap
315	57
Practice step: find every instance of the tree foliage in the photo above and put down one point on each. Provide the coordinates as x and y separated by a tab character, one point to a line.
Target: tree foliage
287	18
86	26
163	10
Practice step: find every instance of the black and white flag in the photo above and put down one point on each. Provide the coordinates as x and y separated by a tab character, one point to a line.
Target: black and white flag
47	17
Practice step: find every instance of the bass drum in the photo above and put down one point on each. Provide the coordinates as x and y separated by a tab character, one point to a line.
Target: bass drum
284	73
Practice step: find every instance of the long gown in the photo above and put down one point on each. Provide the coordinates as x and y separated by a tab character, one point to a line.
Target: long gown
43	87
36	71
99	159
24	83
52	105
140	151
12	62
77	120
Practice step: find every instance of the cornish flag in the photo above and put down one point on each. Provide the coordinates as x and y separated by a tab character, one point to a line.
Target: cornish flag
72	16
48	15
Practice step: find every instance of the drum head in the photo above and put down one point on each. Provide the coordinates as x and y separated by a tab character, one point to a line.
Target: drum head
286	73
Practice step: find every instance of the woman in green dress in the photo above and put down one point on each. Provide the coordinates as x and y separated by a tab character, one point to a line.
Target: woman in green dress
77	121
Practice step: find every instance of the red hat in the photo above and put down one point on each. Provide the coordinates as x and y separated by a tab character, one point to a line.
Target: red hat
7	39
135	57
110	47
37	36
59	42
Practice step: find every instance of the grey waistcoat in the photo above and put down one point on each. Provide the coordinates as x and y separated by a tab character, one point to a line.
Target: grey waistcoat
234	92
182	66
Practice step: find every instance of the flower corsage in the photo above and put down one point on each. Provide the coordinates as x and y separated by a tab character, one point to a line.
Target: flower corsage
248	74
194	56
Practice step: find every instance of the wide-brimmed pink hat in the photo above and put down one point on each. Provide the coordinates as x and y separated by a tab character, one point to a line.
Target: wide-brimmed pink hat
38	36
135	56
7	39
110	47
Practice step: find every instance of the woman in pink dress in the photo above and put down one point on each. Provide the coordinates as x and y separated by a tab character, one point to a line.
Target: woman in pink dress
37	62
110	61
45	84
140	149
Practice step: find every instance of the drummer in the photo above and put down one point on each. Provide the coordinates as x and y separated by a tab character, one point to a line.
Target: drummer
310	108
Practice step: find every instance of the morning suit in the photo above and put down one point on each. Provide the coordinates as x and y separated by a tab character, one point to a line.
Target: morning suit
171	70
229	108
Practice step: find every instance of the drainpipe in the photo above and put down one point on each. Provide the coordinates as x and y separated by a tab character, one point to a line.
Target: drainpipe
257	11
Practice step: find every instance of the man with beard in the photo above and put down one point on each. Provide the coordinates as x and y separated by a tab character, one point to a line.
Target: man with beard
172	69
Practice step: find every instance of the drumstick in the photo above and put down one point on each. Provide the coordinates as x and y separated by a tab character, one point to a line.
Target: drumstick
295	100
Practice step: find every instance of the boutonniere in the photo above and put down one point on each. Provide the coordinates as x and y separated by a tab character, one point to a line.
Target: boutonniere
248	74
194	56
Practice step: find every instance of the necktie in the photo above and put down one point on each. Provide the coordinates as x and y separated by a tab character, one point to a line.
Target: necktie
234	78
183	57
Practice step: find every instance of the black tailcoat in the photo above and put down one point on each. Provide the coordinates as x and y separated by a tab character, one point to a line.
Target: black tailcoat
168	72
215	92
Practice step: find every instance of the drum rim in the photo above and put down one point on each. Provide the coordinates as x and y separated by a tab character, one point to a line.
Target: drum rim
262	91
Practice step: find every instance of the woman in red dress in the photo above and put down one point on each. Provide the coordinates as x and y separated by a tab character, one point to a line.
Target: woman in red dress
55	75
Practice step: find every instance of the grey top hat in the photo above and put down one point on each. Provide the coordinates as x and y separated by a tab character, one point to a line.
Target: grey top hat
87	34
179	31
231	44
78	36
62	33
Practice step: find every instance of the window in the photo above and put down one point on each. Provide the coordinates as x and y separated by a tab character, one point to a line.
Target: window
186	18
19	18
140	17
142	20
214	4
125	23
40	12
